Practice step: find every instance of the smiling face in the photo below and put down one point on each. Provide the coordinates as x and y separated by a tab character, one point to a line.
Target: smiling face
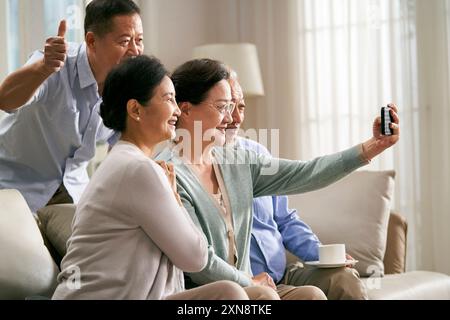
208	112
123	41
158	118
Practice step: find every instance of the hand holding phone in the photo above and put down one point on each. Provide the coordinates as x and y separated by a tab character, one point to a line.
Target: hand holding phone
386	120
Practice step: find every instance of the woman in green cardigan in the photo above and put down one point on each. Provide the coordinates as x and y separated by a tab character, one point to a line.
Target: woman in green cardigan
217	184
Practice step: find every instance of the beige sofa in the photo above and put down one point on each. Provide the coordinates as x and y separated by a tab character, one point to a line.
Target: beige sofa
357	211
397	284
31	249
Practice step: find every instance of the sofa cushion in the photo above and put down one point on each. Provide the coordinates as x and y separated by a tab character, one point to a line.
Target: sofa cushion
414	285
354	211
56	223
26	267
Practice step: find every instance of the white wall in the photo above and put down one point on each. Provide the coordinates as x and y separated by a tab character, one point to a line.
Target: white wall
173	27
433	237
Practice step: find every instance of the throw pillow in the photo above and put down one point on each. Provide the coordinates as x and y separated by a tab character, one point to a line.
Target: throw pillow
56	223
354	211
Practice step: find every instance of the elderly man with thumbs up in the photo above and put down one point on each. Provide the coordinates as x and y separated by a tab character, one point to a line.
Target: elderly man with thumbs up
53	102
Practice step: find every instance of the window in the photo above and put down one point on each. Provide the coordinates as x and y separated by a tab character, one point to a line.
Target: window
30	23
27	24
13	35
72	11
358	55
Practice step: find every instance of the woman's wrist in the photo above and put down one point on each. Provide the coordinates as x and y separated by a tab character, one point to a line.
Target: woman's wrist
369	149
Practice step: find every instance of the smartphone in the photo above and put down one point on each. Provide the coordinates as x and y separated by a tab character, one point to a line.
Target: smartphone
386	120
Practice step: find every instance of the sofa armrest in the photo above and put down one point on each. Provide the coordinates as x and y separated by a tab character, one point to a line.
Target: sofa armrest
395	255
26	267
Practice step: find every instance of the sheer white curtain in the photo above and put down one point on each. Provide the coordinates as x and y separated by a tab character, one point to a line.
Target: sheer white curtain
357	56
328	68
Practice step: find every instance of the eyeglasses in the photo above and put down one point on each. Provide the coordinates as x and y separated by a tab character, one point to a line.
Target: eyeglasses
223	108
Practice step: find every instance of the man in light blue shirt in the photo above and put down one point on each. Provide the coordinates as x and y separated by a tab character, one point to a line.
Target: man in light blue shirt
276	229
53	125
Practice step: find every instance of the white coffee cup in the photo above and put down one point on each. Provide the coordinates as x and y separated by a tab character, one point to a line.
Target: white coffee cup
332	253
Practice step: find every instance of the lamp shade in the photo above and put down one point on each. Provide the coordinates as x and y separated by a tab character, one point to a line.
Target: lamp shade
242	58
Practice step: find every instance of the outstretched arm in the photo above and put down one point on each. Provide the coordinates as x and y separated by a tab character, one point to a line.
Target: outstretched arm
291	177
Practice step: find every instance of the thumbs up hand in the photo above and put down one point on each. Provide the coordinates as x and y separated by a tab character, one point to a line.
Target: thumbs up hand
55	51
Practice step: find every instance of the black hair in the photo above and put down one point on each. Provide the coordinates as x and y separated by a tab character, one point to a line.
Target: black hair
193	79
135	78
100	13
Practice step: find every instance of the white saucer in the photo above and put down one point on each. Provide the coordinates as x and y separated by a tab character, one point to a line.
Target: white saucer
331	265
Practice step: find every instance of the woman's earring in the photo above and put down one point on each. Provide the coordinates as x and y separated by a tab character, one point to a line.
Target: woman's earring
138	118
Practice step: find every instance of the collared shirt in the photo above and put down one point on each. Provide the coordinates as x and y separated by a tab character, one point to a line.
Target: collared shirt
275	229
51	138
